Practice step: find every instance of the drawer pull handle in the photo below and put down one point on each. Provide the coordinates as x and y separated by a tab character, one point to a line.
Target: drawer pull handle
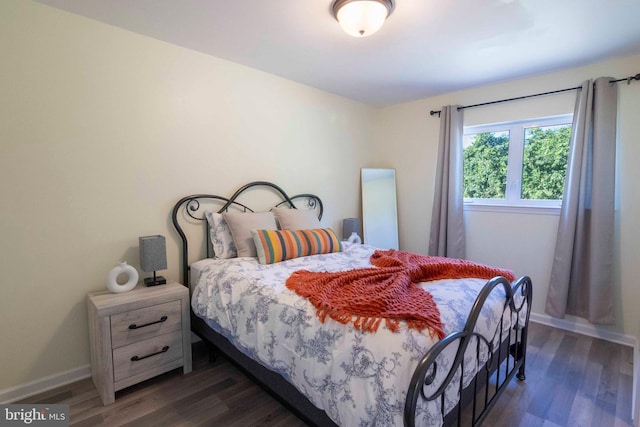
134	326
164	350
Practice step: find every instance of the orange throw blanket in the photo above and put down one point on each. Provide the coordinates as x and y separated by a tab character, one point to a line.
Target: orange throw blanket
366	296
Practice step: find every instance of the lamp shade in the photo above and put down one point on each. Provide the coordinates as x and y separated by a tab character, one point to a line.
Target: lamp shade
361	18
350	225
153	253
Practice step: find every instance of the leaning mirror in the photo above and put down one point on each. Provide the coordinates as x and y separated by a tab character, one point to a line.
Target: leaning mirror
379	208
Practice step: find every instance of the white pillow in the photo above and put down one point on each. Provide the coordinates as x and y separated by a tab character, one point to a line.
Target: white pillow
296	219
241	224
220	235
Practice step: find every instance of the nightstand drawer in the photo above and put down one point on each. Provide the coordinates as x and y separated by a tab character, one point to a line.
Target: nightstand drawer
145	323
148	354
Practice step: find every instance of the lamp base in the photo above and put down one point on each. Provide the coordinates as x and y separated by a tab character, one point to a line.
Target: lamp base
158	280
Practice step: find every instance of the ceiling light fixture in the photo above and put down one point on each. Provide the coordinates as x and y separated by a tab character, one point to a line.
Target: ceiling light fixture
361	18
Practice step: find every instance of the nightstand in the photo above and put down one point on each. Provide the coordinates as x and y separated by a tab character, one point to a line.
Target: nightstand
137	335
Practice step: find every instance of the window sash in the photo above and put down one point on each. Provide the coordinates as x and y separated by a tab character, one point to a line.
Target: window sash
516	130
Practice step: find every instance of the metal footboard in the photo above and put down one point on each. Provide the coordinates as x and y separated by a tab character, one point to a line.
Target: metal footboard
500	359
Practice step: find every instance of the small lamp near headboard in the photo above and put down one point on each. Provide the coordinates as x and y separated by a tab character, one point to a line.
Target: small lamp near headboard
350	225
153	257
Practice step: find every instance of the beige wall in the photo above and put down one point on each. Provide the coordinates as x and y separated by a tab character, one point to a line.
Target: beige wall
102	130
407	140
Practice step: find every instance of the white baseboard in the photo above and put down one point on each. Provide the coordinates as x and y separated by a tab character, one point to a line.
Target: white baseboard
585	329
23	391
616	337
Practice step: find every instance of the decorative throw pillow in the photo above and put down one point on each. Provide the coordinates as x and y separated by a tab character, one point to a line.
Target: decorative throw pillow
220	235
279	245
296	219
241	224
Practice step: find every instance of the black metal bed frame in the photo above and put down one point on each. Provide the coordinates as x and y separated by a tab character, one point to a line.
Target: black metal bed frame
502	361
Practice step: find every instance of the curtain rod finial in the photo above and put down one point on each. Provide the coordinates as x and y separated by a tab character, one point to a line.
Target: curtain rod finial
434	113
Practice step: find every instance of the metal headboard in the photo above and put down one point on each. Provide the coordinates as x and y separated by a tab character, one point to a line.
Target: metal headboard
191	206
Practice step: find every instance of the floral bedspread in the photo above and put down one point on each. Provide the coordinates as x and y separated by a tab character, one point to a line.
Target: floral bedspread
357	378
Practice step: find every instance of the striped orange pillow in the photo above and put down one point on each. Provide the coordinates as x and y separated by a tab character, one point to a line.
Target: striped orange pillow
278	245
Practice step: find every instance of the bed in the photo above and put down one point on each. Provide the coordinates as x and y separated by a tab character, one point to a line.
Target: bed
332	373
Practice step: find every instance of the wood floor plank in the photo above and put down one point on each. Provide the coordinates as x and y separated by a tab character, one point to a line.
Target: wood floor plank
581	412
511	405
607	391
572	381
187	407
563	398
543	367
245	408
559	366
579	361
572	359
604	414
546	352
626	366
151	395
69	393
529	420
623	404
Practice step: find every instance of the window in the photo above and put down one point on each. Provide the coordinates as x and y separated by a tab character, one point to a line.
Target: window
517	163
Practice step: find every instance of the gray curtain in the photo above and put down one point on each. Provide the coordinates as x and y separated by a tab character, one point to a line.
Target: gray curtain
581	277
447	225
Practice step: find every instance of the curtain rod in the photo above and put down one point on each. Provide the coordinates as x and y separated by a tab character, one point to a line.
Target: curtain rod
627	79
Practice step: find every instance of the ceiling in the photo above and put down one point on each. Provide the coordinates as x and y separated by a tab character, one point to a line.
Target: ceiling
426	47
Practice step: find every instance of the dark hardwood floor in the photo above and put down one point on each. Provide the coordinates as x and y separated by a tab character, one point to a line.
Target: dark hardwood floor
572	380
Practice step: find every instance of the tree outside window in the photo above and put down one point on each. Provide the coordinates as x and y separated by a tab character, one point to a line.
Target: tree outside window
544	163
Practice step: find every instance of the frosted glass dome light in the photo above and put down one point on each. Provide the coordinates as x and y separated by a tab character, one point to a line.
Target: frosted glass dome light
361	18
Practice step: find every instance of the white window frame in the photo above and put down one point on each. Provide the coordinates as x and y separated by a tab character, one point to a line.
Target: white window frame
512	201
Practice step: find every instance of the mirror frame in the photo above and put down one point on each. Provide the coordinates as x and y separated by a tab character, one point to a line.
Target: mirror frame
379	207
